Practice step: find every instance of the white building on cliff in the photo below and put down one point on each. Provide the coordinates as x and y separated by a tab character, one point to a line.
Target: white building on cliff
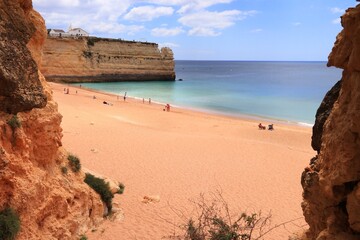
72	33
56	32
77	32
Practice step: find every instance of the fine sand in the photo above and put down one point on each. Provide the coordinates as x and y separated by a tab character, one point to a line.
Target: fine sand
173	157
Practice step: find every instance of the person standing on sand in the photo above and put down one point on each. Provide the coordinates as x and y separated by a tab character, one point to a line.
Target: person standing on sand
143	100
149	100
125	96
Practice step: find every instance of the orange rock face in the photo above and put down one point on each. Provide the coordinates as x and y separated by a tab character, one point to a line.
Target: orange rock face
51	204
101	60
331	194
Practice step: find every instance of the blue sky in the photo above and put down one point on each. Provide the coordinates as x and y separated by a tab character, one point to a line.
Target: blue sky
295	30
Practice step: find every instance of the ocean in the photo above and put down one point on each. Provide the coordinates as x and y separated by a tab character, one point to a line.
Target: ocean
278	91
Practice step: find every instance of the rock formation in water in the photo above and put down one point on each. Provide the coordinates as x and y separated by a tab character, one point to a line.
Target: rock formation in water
331	184
99	60
51	204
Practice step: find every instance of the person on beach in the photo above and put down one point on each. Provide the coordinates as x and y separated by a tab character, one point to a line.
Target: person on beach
149	100
271	127
143	100
107	103
261	127
168	107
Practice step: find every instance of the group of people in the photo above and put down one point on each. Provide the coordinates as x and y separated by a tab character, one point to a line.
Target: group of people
262	127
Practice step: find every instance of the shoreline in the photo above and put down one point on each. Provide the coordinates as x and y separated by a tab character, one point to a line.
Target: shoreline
176	156
243	117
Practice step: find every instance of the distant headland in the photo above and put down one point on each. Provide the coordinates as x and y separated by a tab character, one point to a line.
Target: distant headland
75	56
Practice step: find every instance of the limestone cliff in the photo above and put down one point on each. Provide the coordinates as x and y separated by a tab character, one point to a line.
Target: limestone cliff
98	59
331	184
51	204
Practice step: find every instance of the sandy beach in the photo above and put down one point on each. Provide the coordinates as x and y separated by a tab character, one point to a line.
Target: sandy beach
176	156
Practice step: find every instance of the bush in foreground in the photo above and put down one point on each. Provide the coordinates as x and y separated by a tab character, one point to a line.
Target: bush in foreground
83	237
101	187
14	122
74	163
64	170
215	222
121	188
9	224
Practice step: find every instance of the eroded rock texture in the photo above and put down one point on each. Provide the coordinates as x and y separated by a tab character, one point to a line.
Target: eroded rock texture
51	204
20	87
331	185
323	113
105	60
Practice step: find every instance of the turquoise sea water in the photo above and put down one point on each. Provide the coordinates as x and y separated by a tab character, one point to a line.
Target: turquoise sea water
286	91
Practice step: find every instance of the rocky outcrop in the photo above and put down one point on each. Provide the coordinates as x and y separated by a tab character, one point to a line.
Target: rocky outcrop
322	114
20	87
331	184
51	204
100	60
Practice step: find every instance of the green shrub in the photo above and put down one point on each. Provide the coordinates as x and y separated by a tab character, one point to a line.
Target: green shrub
64	170
83	237
91	42
14	122
74	163
87	54
101	187
121	188
213	221
9	224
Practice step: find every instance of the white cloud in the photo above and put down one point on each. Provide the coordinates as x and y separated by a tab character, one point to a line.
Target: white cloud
199	5
58	3
186	6
170	45
203	32
296	24
165	32
115	28
336	21
99	16
148	13
207	23
257	30
337	10
94	16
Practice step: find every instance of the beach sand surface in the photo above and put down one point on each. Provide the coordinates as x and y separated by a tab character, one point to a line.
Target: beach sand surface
174	157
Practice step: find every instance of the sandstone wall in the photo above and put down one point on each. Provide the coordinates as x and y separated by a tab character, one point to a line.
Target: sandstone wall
331	184
96	59
51	205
